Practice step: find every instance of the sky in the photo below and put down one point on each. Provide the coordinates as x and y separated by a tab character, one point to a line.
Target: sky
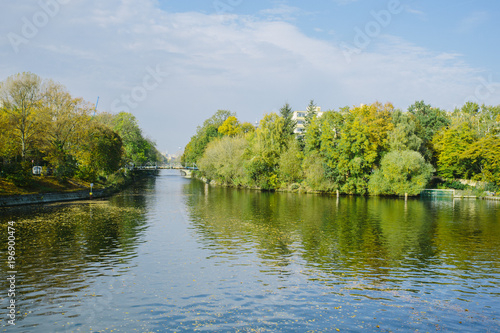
173	63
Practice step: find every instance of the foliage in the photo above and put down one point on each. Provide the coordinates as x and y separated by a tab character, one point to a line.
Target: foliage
100	154
42	124
310	113
138	149
356	150
401	172
204	134
230	127
428	122
450	145
353	148
286	113
223	160
20	97
290	163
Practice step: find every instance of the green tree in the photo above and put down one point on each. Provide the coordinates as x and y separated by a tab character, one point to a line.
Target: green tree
247	127
401	172
403	136
315	172
311	113
286	113
138	149
450	144
485	154
204	134
428	121
100	154
358	146
290	163
266	146
223	160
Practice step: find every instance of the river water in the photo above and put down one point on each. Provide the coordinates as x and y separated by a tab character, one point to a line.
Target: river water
174	255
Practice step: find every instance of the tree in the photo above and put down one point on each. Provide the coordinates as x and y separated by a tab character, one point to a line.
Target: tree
223	160
100	154
354	148
450	145
290	163
400	173
315	171
485	154
266	146
67	117
403	136
138	150
20	96
310	113
428	121
287	114
204	134
247	127
230	127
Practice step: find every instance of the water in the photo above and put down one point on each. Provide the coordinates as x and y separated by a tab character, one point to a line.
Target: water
174	255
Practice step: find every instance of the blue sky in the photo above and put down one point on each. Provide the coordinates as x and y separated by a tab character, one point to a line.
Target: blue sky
174	63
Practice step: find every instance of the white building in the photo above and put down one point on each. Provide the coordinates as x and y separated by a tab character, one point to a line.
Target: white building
300	118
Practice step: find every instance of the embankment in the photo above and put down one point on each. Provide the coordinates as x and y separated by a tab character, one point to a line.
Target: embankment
48	197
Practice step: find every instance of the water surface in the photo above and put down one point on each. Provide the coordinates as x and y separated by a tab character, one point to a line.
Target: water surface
173	255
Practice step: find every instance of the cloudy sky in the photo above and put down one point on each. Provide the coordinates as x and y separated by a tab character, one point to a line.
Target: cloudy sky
174	63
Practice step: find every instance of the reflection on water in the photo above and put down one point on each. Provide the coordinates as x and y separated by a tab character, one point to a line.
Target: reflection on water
173	254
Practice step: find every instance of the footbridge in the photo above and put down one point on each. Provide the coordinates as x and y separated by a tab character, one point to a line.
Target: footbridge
186	171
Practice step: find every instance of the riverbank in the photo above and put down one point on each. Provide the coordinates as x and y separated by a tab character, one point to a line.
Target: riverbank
298	188
46	190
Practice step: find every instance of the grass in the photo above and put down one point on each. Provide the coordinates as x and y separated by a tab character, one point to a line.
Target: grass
42	184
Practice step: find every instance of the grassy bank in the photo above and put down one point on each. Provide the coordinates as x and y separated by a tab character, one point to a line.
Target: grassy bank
50	184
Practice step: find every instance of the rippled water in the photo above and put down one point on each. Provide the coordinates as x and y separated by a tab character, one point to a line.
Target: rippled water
172	254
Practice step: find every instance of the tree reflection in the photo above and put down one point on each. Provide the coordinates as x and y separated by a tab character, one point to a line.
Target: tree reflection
350	235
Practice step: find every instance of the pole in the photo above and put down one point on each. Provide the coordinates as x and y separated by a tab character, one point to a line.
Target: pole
96	103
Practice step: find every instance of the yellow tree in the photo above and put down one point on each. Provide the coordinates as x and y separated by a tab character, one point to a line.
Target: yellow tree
67	117
20	96
230	127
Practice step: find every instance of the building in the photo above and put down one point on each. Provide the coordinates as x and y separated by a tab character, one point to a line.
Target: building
300	118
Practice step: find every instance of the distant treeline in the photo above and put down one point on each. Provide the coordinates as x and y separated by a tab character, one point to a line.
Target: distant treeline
370	149
42	124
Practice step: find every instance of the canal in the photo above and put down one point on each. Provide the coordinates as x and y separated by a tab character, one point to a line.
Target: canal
175	255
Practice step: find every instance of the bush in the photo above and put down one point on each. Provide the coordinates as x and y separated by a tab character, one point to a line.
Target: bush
401	172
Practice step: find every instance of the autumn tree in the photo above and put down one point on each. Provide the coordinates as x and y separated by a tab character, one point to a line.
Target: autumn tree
230	127
204	134
67	117
20	97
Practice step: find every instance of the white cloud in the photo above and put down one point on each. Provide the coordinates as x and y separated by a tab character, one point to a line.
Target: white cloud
247	64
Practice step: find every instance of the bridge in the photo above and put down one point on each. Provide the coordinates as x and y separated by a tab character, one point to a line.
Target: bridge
186	171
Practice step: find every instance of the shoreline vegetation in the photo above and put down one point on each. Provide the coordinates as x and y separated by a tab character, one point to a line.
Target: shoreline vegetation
53	142
361	150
